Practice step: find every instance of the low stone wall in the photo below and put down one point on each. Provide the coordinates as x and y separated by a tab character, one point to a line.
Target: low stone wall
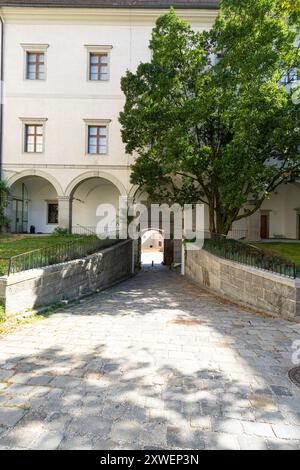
246	285
66	281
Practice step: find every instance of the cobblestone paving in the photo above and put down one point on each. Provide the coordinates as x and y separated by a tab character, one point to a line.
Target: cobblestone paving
154	363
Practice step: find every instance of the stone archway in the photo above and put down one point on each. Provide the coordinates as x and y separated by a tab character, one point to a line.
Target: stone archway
33	204
95	174
152	247
31	173
86	196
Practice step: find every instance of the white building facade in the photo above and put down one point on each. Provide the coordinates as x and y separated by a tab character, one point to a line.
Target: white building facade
61	149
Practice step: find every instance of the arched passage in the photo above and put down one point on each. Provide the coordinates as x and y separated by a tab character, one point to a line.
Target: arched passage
34	204
152	247
85	197
94	174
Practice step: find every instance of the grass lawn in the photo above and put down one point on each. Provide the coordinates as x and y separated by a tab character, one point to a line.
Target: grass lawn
290	251
11	245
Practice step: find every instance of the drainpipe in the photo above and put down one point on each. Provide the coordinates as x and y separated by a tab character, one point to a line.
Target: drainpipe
2	93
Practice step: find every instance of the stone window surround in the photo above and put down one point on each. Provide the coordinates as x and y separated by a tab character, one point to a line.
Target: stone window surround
96	122
97	49
34	48
33	121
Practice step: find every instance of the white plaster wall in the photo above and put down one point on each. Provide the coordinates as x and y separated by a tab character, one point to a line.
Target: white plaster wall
283	214
88	196
66	97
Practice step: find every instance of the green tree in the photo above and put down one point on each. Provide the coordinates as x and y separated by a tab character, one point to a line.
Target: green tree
4	191
209	119
291	6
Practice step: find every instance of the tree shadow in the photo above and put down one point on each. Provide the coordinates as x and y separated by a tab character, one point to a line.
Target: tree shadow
189	372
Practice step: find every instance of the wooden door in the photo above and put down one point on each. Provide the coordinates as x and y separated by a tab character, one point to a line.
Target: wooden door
264	226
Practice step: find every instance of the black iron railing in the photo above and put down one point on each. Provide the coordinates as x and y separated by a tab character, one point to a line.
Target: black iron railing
55	254
250	255
4	262
84	230
90	229
237	234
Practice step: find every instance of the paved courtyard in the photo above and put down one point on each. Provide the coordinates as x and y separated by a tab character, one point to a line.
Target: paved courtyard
153	363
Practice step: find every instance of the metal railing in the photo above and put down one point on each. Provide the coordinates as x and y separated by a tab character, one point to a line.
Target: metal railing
237	234
83	230
90	229
59	253
250	255
4	262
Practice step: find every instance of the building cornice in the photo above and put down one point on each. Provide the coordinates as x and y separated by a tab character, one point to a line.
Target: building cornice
132	4
36	15
13	167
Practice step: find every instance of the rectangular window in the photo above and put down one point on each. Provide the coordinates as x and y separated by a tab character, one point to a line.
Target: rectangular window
290	77
97	140
34	138
98	67
35	66
52	217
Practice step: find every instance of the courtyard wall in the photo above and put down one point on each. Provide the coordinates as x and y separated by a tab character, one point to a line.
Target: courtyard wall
66	281
243	284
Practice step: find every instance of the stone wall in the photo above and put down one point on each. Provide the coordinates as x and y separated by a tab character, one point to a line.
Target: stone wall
259	289
66	281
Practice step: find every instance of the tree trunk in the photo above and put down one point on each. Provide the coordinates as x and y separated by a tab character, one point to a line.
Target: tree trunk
212	223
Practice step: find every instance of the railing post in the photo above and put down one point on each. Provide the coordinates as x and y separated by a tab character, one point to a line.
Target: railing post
9	267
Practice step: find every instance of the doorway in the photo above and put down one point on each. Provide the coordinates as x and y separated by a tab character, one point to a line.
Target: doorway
152	248
298	226
20	212
264	226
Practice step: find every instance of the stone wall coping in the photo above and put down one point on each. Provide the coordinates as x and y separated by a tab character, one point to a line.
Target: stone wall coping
260	272
33	273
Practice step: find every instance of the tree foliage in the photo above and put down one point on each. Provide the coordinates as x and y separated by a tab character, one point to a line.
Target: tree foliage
4	191
209	118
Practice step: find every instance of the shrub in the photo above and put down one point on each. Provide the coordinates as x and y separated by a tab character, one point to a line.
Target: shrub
60	232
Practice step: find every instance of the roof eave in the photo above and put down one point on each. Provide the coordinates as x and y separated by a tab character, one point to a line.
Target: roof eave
183	6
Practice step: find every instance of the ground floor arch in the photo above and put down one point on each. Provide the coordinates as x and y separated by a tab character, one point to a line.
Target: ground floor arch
39	204
85	199
152	247
33	205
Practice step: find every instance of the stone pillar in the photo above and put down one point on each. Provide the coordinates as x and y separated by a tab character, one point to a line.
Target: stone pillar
253	227
64	212
177	251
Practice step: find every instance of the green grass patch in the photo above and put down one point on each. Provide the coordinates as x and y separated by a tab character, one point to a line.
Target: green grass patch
12	245
289	251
